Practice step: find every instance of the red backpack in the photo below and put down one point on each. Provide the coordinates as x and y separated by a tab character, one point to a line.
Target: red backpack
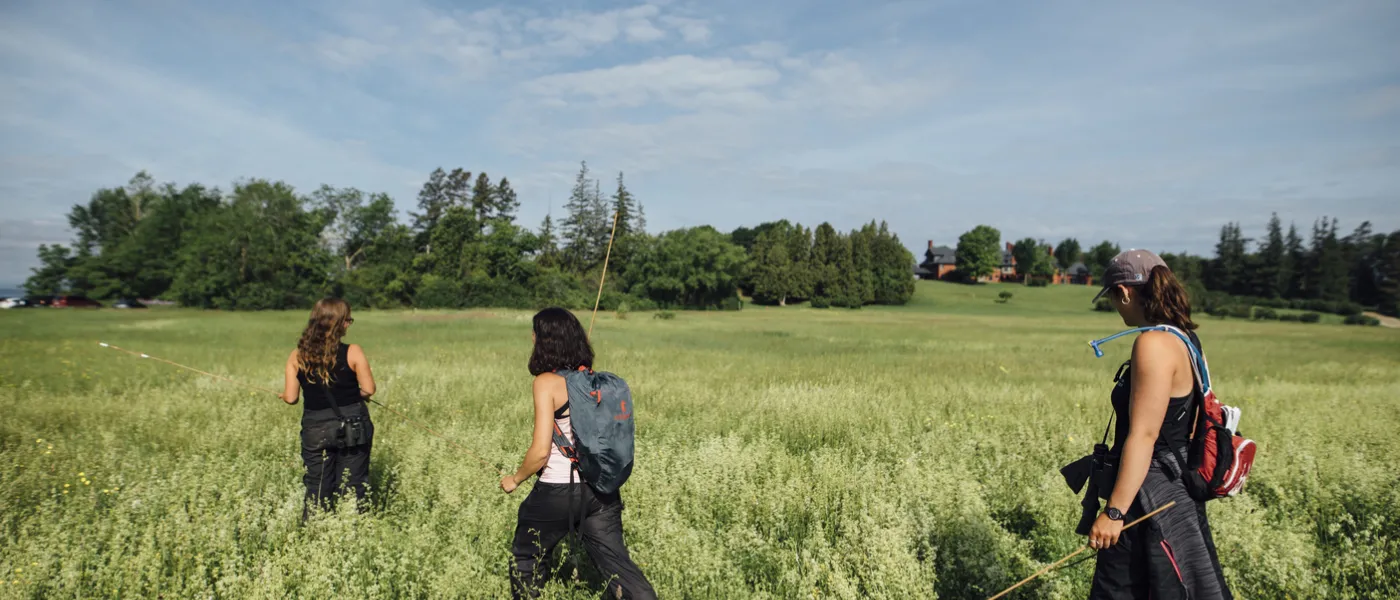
1219	457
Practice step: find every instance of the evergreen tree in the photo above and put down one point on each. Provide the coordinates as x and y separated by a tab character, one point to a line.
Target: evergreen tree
804	272
1295	263
1228	272
432	200
641	218
581	225
1327	272
549	245
483	201
826	284
772	269
862	262
505	204
894	281
1270	278
624	206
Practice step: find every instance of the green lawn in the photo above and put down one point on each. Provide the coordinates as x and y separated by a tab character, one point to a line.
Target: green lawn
782	452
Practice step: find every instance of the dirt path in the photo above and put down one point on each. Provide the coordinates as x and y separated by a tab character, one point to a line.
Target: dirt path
1385	321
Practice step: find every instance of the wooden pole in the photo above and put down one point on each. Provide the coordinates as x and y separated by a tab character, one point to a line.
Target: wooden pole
1075	553
603	278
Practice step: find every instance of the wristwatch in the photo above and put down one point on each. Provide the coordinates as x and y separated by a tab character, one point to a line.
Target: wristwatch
1113	514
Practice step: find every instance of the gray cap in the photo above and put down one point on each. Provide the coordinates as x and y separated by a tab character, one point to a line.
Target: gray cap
1129	268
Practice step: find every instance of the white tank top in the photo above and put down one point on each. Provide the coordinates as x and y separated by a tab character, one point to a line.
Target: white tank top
556	470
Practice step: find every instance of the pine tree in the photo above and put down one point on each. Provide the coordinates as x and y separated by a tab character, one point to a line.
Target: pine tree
1295	264
623	206
1269	278
641	218
1228	270
894	283
804	272
602	222
862	261
772	279
482	200
580	226
549	248
505	203
432	200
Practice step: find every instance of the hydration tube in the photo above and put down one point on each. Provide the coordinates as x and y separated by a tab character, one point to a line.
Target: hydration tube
1197	359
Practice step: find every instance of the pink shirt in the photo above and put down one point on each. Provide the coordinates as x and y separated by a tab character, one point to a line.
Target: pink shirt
557	469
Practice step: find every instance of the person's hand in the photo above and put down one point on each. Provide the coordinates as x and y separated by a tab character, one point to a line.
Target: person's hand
1105	533
508	483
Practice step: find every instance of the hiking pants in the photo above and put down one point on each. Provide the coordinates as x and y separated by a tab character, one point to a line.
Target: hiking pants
330	470
543	520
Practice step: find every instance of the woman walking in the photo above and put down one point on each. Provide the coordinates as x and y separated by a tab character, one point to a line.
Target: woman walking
334	380
1172	555
559	501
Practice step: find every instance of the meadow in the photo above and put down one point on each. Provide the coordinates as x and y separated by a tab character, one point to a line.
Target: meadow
908	452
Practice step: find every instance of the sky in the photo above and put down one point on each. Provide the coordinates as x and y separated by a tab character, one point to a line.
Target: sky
1149	124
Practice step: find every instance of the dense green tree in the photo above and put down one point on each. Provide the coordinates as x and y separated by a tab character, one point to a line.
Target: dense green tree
50	278
892	267
772	269
1067	253
483	201
979	252
624	206
1229	271
1027	253
1271	273
691	268
1100	256
863	265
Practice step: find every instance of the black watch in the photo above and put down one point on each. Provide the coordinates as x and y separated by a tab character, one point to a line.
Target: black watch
1113	514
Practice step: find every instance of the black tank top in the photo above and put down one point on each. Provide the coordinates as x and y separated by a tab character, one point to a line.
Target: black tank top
344	387
1176	426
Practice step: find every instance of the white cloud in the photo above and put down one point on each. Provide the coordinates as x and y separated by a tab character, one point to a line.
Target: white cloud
684	81
692	30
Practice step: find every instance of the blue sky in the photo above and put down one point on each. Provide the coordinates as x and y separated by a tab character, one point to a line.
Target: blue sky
1150	124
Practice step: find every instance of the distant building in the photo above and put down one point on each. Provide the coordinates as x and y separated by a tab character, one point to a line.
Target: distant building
941	261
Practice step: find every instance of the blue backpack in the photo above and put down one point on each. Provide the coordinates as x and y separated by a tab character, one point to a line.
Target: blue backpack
600	412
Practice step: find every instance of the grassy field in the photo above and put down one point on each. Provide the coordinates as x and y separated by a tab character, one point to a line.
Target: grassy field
782	453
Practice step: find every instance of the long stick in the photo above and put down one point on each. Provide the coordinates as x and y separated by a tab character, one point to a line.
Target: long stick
607	256
1076	553
275	392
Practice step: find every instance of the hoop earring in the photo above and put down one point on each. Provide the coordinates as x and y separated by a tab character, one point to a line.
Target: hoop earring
1125	300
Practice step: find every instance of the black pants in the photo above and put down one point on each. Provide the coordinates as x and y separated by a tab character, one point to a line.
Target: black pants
544	520
330	471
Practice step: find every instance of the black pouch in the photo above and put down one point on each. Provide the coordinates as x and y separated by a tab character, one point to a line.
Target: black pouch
343	432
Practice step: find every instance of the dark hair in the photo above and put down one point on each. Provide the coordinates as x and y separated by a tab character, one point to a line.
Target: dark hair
560	342
1165	301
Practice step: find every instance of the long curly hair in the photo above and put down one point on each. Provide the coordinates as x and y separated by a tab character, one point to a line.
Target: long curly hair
560	343
319	341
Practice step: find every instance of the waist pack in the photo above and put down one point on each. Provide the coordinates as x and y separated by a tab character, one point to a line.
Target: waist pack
600	414
1219	458
343	432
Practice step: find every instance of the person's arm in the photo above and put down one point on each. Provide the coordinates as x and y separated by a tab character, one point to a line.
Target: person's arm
360	365
1154	367
538	453
291	388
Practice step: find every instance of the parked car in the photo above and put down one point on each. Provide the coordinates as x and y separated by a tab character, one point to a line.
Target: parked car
128	303
13	303
40	301
75	302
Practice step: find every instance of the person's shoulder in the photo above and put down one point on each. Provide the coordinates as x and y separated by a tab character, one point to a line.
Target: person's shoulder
1156	343
549	378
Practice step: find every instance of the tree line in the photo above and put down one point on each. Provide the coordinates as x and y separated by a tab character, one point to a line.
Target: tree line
1328	272
263	245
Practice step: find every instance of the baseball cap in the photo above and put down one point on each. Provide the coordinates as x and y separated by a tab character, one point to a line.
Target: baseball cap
1129	268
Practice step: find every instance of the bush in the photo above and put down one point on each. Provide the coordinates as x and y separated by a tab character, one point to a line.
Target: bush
1240	311
1038	282
1103	305
1290	317
821	303
664	315
622	310
1362	320
438	292
1349	308
1310	317
731	303
1004	297
1265	314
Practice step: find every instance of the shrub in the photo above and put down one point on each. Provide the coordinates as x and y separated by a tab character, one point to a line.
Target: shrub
821	302
731	303
664	315
1004	297
1103	305
622	310
1242	311
1362	320
1265	314
1290	317
1349	308
438	292
1038	282
1310	317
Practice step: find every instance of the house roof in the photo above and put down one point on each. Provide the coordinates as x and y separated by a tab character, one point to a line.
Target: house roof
1078	269
941	255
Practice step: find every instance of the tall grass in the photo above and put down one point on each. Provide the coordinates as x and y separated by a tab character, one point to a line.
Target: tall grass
782	453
